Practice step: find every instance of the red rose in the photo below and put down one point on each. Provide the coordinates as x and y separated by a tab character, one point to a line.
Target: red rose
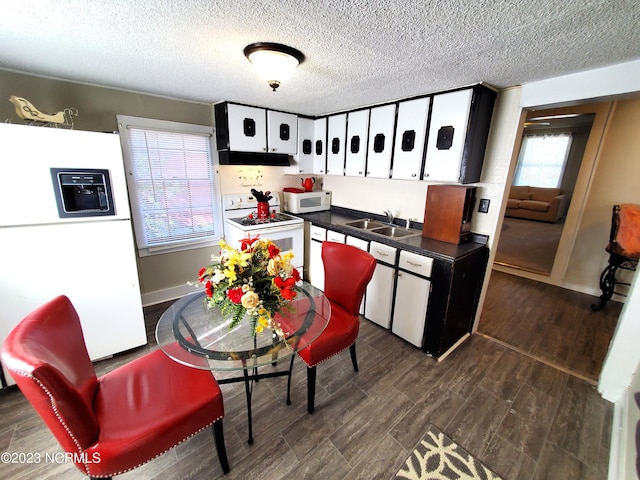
201	274
286	287
208	288
235	294
273	250
295	274
246	243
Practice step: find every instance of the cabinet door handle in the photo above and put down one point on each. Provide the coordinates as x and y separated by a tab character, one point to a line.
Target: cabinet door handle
414	264
408	140
355	144
306	146
445	138
318	147
335	145
249	127
284	132
378	143
382	254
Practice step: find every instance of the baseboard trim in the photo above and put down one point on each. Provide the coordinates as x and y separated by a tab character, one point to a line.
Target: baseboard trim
545	279
617	444
166	294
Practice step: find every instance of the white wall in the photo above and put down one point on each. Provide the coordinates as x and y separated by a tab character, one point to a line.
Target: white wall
599	83
624	354
619	380
615	181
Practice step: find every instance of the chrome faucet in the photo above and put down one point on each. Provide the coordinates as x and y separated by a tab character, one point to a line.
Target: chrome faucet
389	216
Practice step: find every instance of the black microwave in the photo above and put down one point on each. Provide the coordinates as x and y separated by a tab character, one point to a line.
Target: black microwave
82	192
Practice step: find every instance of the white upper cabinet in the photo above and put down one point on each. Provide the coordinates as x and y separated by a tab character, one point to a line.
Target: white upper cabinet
411	132
240	128
357	134
320	145
336	134
303	159
247	129
435	138
458	134
282	132
447	133
311	157
381	123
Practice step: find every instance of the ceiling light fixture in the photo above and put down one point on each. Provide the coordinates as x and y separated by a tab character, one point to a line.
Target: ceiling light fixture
275	62
554	117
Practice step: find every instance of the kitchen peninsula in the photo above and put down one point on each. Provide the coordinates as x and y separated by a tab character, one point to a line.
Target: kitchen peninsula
430	291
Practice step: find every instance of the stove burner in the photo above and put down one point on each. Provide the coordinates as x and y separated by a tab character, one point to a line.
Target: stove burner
252	219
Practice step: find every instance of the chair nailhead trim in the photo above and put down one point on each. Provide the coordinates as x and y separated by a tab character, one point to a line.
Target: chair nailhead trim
55	410
80	451
333	355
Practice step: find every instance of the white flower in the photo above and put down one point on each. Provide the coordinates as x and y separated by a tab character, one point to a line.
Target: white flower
218	276
250	299
274	266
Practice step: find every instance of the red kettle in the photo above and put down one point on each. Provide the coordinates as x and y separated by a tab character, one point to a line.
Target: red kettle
307	183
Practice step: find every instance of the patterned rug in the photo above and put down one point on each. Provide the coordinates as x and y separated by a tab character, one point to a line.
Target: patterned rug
437	457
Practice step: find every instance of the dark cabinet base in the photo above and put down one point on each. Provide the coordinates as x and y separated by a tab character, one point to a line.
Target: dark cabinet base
454	300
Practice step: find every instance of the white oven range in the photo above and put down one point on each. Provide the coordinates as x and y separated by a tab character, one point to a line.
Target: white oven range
240	221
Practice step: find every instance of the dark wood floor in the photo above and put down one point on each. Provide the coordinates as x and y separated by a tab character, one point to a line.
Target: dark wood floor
551	324
521	417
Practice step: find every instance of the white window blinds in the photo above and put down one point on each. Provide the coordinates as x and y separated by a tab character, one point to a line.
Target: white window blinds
173	176
542	160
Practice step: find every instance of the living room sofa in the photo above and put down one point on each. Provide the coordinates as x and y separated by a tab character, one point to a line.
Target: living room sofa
536	203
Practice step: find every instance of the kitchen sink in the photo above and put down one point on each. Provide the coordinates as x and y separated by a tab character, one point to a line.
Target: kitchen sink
381	228
395	232
364	224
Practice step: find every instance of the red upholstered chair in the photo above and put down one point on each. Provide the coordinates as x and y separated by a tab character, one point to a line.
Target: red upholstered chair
347	271
121	420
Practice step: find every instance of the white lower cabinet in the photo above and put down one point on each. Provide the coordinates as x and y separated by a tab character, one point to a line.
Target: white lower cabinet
317	235
333	236
362	245
379	296
412	297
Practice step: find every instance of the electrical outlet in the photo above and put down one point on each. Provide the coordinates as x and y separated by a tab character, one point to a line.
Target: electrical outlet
483	205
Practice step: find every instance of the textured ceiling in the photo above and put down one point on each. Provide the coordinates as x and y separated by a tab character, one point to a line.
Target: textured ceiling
357	52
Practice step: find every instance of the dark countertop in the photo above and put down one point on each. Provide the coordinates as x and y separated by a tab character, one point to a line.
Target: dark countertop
336	218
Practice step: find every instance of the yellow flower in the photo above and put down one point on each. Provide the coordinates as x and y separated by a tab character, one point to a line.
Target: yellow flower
250	299
230	273
263	322
287	256
238	258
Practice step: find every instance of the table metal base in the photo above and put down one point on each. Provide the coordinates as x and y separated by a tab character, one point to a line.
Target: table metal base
248	379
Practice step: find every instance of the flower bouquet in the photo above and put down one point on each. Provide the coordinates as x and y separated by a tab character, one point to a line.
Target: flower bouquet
257	280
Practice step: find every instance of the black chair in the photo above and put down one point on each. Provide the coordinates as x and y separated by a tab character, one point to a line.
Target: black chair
623	249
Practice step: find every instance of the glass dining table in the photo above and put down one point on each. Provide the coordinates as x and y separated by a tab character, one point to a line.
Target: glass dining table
195	335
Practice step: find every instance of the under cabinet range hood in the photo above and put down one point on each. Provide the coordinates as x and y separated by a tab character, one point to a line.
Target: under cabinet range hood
227	157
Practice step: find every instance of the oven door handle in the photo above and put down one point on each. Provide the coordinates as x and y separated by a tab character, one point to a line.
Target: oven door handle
283	228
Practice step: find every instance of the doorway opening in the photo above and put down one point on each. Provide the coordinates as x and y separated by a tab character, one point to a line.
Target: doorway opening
545	176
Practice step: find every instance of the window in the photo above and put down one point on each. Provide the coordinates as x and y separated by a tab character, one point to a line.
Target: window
542	160
173	184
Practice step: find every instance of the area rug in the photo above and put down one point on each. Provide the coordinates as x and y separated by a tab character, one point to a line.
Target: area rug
437	457
528	245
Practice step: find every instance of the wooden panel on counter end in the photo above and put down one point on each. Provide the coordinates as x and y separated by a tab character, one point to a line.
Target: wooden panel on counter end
447	213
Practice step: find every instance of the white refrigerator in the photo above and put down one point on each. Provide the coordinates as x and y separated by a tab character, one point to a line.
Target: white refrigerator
52	242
